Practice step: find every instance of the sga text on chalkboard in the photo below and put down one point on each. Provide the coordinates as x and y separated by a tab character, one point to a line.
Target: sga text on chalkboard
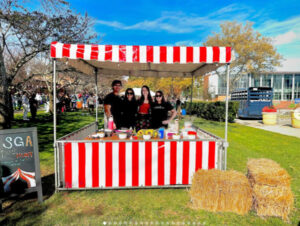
19	162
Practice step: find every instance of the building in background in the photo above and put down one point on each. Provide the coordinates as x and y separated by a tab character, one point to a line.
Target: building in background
286	85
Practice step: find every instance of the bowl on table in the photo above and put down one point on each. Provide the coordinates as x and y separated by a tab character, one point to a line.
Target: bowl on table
191	136
122	136
146	136
101	134
176	136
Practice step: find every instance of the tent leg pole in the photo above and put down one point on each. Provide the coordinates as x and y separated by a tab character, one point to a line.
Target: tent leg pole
96	89
54	121
226	114
192	85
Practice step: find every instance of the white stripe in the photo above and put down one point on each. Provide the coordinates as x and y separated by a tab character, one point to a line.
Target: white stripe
141	163
143	54
154	163
58	50
129	54
209	54
205	155
179	162
101	55
192	163
73	50
128	174
196	54
216	155
87	52
156	54
88	165
102	166
222	55
169	54
75	165
115	53
115	164
167	162
182	54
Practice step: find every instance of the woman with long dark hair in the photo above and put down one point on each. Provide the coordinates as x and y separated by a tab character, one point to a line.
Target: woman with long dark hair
160	110
144	110
129	107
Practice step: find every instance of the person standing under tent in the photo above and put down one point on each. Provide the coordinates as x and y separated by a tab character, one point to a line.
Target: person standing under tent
160	109
113	104
144	110
25	105
130	107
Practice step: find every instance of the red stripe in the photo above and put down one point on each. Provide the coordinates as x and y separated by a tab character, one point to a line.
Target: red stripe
108	164
216	54
173	163
108	52
81	164
189	54
122	53
163	54
66	50
80	51
211	155
161	163
135	163
95	165
53	49
148	163
122	164
94	52
149	53
228	54
202	54
198	155
135	54
68	165
176	54
185	162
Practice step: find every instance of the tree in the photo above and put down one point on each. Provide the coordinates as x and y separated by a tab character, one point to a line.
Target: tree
253	53
28	34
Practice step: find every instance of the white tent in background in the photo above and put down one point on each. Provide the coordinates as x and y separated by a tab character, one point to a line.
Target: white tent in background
137	92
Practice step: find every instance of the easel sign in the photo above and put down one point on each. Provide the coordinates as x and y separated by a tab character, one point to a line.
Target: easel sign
19	162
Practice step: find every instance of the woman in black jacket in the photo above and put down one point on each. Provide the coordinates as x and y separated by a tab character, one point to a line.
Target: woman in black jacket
129	111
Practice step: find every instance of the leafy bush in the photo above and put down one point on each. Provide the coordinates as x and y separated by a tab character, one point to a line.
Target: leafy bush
213	110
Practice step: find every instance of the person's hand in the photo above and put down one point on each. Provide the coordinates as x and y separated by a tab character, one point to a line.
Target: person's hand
165	122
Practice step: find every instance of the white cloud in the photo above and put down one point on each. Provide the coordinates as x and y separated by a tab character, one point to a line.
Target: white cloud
285	38
290	65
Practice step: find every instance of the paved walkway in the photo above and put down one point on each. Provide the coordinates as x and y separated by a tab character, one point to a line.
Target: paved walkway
285	128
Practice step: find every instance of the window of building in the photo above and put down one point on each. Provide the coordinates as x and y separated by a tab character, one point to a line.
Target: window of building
287	87
277	82
266	80
297	85
256	81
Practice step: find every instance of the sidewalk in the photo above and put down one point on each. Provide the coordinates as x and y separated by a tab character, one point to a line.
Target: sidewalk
285	129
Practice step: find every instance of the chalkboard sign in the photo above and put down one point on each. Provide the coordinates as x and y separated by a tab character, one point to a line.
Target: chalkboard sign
19	162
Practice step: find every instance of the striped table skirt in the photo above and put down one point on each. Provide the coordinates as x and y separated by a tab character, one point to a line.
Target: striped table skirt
135	164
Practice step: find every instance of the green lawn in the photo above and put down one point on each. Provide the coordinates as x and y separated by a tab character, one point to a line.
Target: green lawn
156	205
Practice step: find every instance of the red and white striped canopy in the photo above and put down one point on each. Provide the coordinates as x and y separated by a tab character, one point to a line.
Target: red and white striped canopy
142	60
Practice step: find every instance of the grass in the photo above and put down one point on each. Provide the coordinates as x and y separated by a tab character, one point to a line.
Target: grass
156	205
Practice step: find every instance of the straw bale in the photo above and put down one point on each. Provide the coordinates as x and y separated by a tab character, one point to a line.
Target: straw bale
267	172
216	190
273	201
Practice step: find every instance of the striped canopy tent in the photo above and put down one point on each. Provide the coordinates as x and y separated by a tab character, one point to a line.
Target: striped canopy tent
141	61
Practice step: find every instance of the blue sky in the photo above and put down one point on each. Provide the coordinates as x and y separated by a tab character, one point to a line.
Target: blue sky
189	22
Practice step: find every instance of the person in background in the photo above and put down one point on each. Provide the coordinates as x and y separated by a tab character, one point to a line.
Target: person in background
85	98
91	101
19	98
160	109
144	109
73	100
130	107
25	105
33	103
113	104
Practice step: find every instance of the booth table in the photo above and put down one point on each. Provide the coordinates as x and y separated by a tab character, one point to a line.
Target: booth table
110	163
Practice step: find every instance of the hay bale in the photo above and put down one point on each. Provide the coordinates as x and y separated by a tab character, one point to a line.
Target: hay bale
272	195
266	171
216	190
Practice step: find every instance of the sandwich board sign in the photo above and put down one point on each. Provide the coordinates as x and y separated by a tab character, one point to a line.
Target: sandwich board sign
19	162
